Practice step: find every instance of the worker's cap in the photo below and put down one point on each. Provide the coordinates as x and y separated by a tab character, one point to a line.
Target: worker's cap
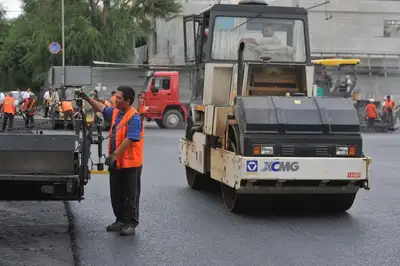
371	100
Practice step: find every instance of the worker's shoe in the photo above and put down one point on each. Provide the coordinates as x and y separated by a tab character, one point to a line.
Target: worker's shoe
127	230
114	227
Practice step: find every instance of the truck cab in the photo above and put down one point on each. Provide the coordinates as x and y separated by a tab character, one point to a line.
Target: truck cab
161	99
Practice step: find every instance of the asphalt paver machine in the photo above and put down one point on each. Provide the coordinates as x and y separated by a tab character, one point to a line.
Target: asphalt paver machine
253	124
40	165
336	77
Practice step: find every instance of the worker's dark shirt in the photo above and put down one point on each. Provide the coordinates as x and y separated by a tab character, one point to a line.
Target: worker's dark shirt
134	126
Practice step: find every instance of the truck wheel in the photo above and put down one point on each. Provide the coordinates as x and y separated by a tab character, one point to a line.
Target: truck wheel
173	119
233	201
196	180
159	123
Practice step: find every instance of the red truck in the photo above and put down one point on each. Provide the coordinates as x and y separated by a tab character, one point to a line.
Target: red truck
161	100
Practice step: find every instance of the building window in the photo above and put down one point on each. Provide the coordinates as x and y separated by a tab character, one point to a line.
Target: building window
391	28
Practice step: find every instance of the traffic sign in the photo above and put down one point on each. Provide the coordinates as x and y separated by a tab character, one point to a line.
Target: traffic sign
54	47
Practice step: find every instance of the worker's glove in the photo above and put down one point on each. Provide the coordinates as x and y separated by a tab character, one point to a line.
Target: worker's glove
110	161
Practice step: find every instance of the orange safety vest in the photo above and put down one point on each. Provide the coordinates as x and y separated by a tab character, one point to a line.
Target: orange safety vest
389	104
132	156
107	103
28	102
9	105
142	107
371	111
66	106
112	100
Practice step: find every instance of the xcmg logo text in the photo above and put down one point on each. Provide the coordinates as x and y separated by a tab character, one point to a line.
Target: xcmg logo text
277	166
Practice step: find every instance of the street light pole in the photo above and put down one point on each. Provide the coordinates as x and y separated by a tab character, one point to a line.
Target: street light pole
63	41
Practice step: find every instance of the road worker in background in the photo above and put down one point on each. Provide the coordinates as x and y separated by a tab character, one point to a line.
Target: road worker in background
142	106
8	107
125	158
55	107
370	114
68	112
47	100
112	99
388	110
29	110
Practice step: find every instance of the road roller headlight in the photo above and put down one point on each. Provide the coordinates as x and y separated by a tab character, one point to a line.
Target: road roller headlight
342	151
346	151
267	150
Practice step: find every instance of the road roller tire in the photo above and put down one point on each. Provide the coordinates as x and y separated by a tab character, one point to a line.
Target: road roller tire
233	201
196	180
339	202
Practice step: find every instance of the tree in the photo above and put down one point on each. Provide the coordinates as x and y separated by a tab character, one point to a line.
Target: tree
101	30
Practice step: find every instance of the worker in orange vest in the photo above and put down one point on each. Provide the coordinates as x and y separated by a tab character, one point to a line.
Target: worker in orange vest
388	109
8	107
370	114
29	109
125	158
113	99
68	112
142	106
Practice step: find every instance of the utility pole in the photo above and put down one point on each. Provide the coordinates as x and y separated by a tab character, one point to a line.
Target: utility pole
63	42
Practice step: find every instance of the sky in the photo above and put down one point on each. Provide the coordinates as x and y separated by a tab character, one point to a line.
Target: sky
12	7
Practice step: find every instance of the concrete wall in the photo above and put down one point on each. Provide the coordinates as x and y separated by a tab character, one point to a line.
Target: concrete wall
353	26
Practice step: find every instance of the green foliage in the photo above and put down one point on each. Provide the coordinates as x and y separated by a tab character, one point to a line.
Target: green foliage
101	30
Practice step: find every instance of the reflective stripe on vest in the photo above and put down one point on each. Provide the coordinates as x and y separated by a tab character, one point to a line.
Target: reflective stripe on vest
133	155
107	103
9	105
66	106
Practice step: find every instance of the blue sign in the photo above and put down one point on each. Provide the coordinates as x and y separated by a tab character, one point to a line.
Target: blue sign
252	166
277	166
54	47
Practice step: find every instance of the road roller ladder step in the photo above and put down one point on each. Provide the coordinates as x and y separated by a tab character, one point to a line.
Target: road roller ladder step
100	170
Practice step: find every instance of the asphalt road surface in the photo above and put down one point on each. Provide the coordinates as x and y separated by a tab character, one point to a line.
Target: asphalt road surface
179	226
